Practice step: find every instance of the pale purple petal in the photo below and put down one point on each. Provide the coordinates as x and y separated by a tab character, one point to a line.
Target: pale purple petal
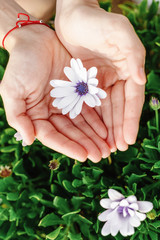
103	217
101	93
80	64
134	221
105	203
92	89
56	102
83	75
69	107
141	216
115	224
114	204
18	136
98	101
124	227
75	66
24	144
124	203
106	229
61	83
93	81
92	72
115	195
72	114
62	91
131	212
89	100
134	206
144	206
66	101
124	212
130	230
78	106
131	199
70	74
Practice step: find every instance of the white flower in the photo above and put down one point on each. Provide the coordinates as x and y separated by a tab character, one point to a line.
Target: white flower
18	137
122	214
82	87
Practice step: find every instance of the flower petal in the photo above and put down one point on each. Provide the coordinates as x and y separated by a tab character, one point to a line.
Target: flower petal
130	230
106	229
134	221
131	212
75	66
83	75
124	212
124	227
101	93
93	81
72	114
115	195
89	100
70	74
92	72
80	64
124	203
61	83
62	91
141	216
56	102
18	136
66	101
114	204
134	206
144	206
131	199
79	105
70	106
92	89
103	217
98	101
105	203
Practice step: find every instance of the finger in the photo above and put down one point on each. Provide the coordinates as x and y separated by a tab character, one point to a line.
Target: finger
66	127
106	109
80	123
117	97
134	100
18	118
92	118
50	137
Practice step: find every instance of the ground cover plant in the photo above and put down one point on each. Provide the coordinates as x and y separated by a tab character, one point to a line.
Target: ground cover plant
61	201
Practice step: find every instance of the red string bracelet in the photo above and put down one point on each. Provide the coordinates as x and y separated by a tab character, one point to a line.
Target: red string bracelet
21	23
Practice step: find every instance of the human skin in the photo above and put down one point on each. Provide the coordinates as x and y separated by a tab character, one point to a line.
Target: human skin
109	42
36	57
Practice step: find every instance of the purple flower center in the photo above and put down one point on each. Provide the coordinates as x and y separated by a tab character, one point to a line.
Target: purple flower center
120	210
82	88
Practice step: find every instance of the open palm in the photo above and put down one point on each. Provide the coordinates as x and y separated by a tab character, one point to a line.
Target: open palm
25	91
109	42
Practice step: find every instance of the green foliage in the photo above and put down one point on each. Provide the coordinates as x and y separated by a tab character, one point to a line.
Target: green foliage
63	204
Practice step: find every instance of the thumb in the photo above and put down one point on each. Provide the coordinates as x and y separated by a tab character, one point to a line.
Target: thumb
18	118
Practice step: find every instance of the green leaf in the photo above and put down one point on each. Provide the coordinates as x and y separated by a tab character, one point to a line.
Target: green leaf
61	204
77	201
3	57
8	149
76	236
53	235
155	224
29	230
153	235
153	84
12	215
68	186
69	217
135	178
1	72
158	44
18	169
12	196
77	183
50	220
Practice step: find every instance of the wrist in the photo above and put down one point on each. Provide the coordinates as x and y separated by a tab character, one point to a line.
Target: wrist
29	34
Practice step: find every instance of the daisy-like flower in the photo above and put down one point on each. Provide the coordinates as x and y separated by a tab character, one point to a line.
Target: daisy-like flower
5	171
122	214
18	137
82	87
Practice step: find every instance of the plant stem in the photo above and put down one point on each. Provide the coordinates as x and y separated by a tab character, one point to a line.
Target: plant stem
51	176
157	120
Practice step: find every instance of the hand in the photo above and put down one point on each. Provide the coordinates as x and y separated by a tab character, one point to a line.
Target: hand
25	89
109	42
